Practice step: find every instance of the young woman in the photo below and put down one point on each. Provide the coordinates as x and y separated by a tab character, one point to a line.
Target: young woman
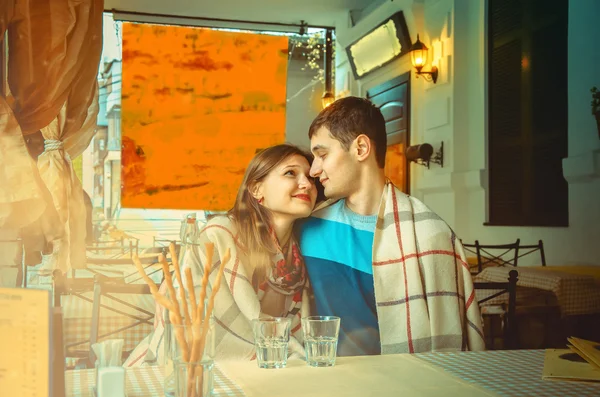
266	274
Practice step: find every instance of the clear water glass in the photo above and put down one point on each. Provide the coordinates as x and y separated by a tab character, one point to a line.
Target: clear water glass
320	340
271	338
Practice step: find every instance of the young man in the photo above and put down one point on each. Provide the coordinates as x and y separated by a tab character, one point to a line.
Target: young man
389	267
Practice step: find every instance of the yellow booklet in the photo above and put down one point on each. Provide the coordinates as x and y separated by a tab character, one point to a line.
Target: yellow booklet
25	326
564	364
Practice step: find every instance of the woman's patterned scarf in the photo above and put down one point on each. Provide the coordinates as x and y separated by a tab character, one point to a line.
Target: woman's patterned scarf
287	274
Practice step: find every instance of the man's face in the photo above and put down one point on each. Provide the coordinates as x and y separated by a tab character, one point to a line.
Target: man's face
335	167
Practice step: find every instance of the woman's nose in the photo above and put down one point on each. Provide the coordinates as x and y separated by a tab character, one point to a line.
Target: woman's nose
305	182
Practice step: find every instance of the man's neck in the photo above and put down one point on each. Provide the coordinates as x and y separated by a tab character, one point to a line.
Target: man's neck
366	200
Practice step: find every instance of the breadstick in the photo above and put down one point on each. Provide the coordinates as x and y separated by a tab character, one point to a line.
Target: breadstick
191	290
186	313
211	302
199	344
161	299
176	315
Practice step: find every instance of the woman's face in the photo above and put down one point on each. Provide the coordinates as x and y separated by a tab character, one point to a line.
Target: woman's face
288	190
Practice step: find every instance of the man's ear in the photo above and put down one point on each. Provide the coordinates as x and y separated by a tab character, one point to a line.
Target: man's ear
256	190
362	147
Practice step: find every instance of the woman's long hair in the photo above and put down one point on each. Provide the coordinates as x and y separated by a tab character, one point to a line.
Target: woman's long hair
252	219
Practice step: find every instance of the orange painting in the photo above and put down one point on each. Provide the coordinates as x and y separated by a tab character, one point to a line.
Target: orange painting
196	105
395	166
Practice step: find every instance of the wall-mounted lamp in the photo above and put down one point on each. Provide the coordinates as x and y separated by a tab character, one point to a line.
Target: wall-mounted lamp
423	155
328	97
418	56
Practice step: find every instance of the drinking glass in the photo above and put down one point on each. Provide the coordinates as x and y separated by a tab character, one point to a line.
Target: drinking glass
321	339
271	337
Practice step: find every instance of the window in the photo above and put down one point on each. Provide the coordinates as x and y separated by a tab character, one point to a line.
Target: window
528	113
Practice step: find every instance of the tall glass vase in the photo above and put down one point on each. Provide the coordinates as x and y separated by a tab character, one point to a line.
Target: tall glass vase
186	376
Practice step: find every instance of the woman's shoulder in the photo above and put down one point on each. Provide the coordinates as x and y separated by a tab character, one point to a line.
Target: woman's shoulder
220	224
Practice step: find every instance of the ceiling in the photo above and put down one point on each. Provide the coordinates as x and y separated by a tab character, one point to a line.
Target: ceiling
314	12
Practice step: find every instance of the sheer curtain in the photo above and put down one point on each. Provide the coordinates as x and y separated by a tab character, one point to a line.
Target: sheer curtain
54	48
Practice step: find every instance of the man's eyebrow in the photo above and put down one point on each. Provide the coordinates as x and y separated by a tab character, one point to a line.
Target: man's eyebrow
318	147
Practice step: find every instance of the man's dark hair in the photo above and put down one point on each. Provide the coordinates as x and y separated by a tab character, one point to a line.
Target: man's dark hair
349	117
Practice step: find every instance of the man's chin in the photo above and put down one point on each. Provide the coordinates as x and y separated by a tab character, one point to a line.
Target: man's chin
332	195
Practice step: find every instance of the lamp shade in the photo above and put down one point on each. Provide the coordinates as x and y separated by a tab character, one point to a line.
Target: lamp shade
418	54
416	152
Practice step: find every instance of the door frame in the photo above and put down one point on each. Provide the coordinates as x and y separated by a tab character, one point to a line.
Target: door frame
396	138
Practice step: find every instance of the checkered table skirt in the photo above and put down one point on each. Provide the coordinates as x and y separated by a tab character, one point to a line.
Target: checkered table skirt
77	320
144	381
575	293
76	332
508	373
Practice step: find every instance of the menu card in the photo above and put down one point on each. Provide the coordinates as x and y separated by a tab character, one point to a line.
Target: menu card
563	364
25	328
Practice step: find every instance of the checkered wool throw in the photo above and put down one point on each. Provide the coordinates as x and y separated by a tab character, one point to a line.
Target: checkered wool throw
423	287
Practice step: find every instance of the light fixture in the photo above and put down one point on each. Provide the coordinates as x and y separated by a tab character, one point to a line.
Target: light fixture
418	56
386	42
328	97
423	155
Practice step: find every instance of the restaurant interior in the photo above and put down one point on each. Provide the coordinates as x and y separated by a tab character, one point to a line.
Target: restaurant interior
127	125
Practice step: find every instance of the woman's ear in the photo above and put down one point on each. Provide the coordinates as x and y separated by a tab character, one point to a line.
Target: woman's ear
256	190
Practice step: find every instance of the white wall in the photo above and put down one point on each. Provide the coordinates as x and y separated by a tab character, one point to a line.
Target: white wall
454	111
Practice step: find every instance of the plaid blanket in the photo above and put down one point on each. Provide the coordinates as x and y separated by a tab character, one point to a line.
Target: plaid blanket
236	303
423	287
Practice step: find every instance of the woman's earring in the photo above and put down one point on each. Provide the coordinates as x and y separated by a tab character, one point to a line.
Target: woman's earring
260	200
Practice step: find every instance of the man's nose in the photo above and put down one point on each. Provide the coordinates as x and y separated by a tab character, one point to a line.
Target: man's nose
315	170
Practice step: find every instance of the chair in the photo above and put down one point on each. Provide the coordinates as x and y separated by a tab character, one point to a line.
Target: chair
509	313
63	286
533	248
108	245
509	251
510	254
105	287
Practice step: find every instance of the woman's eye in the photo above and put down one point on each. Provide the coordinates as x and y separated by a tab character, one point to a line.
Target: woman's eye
323	156
292	173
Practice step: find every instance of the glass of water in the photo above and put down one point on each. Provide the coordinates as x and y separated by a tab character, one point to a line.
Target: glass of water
271	337
320	340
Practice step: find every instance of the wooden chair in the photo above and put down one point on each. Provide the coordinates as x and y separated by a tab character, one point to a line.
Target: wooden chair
106	288
507	313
